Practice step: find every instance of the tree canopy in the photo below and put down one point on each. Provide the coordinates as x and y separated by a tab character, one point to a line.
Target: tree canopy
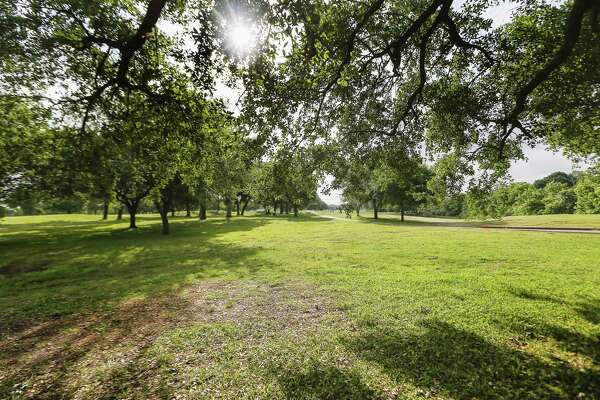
401	102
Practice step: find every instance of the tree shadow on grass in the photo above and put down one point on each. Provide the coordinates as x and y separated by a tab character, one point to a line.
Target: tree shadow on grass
589	310
102	291
105	351
325	382
576	342
528	294
63	229
86	272
443	359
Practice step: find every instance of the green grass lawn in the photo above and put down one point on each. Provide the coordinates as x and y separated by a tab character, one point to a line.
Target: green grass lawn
393	217
554	221
542	221
295	308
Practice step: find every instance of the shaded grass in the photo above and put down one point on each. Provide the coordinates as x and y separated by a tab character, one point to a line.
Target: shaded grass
296	308
98	265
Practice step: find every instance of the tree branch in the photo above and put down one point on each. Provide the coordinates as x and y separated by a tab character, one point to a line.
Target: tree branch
572	31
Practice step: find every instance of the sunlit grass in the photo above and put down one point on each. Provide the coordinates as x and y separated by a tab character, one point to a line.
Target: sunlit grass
542	221
554	220
278	307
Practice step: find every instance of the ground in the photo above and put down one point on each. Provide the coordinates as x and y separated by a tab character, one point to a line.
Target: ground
298	308
562	221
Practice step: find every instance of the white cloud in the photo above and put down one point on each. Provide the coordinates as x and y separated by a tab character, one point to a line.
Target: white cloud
541	162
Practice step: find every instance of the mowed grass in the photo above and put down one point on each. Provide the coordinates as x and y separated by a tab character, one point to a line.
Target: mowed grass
298	308
554	221
586	221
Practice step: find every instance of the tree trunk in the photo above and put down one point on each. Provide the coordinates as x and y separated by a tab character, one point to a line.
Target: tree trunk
105	211
295	211
188	212
202	212
375	215
165	224
244	206
132	210
402	212
275	208
120	213
281	208
358	211
163	210
237	207
228	204
172	212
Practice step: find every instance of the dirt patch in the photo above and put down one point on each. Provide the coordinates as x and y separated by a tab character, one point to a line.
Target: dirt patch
297	308
102	355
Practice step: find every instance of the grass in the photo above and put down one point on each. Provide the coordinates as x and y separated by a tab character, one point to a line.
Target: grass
393	217
586	221
554	221
307	308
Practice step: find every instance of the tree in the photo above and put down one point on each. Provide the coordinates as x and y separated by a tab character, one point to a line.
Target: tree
356	175
317	204
560	177
261	185
506	199
25	144
408	186
523	199
302	181
480	92
587	191
559	198
230	167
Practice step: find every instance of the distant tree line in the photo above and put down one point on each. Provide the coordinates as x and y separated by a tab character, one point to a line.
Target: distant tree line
557	193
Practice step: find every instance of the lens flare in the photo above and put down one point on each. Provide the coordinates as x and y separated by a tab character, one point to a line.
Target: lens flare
241	37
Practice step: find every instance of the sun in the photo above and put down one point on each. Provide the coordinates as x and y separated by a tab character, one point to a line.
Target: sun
241	38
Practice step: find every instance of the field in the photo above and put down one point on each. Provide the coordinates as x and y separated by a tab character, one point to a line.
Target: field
577	221
296	308
551	221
